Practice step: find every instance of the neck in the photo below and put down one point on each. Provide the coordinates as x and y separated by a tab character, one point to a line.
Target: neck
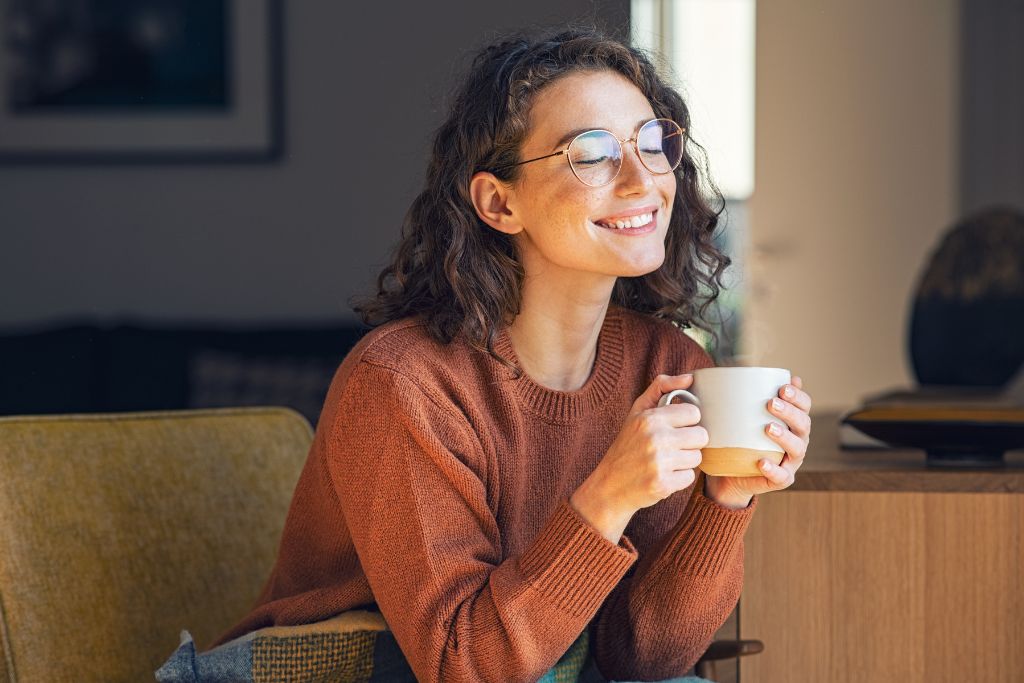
555	338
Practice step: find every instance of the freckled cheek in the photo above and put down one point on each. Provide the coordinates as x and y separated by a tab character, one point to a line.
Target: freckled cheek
667	184
570	207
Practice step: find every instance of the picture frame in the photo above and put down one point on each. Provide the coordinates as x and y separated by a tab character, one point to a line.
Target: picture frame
165	106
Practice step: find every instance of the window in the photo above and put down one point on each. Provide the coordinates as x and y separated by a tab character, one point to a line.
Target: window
705	49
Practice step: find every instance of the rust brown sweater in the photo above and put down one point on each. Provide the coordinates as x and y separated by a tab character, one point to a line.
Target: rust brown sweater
437	488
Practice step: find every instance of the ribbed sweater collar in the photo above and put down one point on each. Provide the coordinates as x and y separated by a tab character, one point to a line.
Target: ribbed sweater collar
568	406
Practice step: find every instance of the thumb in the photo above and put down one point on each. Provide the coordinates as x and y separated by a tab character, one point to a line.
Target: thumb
661	385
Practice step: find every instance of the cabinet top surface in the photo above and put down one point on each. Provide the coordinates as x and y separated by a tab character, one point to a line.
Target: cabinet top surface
829	467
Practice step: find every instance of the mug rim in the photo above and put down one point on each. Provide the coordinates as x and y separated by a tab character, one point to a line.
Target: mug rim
742	367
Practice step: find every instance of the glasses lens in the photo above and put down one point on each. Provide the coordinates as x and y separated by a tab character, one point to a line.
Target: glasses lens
595	157
660	143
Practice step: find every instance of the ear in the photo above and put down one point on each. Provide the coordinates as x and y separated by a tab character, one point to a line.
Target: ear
491	200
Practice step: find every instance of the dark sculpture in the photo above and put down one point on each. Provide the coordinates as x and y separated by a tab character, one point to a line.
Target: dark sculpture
967	325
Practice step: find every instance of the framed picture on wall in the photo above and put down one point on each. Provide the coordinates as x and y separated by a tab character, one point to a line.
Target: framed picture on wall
140	80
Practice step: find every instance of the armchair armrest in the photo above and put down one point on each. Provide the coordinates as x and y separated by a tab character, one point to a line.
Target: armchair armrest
725	649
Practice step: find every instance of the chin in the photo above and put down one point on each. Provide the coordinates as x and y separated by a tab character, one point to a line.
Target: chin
645	267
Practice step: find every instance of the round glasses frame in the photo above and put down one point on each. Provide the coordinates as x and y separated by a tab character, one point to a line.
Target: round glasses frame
679	130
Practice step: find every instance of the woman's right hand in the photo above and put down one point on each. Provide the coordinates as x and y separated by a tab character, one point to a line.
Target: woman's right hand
653	456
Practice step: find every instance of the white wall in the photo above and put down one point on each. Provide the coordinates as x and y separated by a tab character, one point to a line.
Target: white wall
855	168
286	241
856	145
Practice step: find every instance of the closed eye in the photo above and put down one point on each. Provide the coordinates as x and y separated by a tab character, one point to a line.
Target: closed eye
591	162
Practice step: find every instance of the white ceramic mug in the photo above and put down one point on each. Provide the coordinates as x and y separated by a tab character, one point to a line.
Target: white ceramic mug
733	405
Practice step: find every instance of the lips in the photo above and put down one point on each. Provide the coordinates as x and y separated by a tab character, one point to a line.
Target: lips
627	222
633	218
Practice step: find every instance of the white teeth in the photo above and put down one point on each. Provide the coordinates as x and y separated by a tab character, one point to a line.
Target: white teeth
634	222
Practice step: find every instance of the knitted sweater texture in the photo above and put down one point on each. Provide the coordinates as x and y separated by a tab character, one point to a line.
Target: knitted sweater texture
436	490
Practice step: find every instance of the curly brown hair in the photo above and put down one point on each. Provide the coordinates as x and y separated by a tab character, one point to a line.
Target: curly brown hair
464	277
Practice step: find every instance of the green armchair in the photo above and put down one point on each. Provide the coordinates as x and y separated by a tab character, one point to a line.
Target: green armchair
119	530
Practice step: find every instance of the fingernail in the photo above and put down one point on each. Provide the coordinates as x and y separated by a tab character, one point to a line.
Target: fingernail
788	392
774	429
765	465
776	404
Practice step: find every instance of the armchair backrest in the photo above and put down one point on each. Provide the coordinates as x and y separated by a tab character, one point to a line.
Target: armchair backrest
119	530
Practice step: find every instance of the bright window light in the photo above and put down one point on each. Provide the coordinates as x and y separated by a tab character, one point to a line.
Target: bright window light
709	46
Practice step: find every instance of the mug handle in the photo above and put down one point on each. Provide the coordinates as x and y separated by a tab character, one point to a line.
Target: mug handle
687	397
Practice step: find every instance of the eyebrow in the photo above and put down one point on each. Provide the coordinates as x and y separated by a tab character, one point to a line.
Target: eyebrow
573	133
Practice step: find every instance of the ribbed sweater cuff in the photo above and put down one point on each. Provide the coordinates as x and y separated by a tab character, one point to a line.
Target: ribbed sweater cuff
707	535
573	564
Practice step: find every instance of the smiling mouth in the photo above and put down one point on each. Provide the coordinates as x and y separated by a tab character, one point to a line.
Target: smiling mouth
637	223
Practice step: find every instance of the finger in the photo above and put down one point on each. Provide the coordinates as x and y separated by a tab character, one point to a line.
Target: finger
679	414
690	438
777	477
686	460
680	479
793	445
679	439
793	392
796	419
661	385
790	466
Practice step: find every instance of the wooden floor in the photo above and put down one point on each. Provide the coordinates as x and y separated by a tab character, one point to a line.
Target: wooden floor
882	586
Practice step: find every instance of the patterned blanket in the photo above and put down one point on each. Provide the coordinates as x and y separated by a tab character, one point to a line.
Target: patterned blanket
353	647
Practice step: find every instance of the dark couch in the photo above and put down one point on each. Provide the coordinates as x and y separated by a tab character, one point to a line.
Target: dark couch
85	368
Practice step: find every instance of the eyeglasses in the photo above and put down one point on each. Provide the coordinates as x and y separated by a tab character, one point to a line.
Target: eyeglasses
595	156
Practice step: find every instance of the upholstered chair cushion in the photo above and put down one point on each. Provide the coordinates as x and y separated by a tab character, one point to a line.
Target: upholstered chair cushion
353	647
118	531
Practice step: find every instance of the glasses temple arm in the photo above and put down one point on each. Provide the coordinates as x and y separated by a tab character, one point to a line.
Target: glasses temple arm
546	156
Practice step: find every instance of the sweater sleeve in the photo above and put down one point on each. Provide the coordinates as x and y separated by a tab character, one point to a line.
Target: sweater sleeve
657	623
409	473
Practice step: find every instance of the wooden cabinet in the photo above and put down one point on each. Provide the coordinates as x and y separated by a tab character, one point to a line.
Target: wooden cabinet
875	568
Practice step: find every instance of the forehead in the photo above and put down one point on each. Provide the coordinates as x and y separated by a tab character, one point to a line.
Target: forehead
594	99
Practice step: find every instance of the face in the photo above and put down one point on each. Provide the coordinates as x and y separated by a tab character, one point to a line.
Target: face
561	221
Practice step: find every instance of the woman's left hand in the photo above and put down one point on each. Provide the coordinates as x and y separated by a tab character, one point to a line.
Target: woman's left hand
736	492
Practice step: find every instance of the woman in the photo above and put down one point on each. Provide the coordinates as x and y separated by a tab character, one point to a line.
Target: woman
491	469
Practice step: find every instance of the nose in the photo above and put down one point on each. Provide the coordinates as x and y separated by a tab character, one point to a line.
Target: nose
633	178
